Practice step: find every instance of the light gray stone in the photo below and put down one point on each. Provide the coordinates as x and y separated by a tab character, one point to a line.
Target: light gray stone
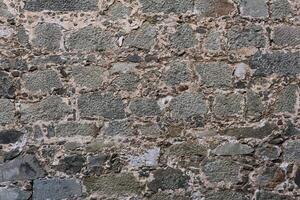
178	73
7	111
228	105
14	194
144	107
285	35
213	41
126	81
183	38
148	159
7	87
280	9
287	99
254	8
118	127
89	77
119	11
230	149
291	152
70	129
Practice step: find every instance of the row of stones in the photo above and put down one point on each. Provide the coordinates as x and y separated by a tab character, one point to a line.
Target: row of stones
204	8
49	36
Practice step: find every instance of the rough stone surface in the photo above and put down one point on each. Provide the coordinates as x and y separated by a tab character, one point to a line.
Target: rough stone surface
268	152
70	129
127	81
178	73
286	35
291	151
47	36
280	9
254	104
14	194
101	105
166	6
118	127
56	5
89	77
7	111
215	74
228	105
254	8
287	99
144	107
51	108
71	164
229	149
213	41
10	136
42	81
56	188
7	88
225	195
187	105
183	37
119	11
217	8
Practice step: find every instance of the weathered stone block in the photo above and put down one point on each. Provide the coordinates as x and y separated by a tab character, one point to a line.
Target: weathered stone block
127	81
119	11
187	105
101	105
228	105
230	149
56	188
89	39
215	74
42	81
70	129
254	8
291	152
7	111
89	77
276	62
47	36
269	152
144	107
254	104
50	108
213	41
226	195
57	5
166	6
287	99
183	38
118	127
246	37
177	73
4	10
71	164
187	149
21	168
280	9
216	8
286	35
7	88
14	194
10	136
142	38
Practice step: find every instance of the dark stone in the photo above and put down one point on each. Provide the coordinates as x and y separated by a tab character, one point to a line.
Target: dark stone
216	8
277	62
71	164
168	179
7	88
297	178
21	168
56	188
134	58
10	136
57	5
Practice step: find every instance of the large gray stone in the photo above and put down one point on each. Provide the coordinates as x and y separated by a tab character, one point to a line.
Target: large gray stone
50	108
144	107
213	41
70	129
277	62
187	105
254	8
178	73
142	38
14	194
254	104
10	136
118	127
126	81
7	88
56	188
166	6
245	37
47	36
89	38
42	81
267	195
4	10
89	77
119	11
7	111
291	152
215	74
57	5
21	168
217	170
287	99
228	105
285	35
183	38
230	149
71	164
280	9
101	105
216	8
269	152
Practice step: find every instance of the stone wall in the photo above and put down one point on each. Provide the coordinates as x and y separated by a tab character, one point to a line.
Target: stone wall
150	99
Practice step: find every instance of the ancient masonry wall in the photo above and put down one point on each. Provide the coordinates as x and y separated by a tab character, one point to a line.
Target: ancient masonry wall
150	99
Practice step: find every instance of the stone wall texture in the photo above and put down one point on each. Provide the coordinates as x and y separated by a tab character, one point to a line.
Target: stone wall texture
150	99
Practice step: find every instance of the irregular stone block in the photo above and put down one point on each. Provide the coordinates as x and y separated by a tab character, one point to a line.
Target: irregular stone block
101	105
113	184
70	129
228	105
287	35
254	105
10	136
291	152
56	188
254	8
280	9
119	11
21	168
89	77
269	152
71	164
57	5
287	99
148	159
166	6
89	39
215	74
144	107
42	81
263	195
186	149
7	111
168	179
126	81
230	149
4	10
7	88
226	195
268	176
50	108
218	170
216	8
47	36
142	38
14	194
118	127
213	41
245	37
276	62
183	38
176	74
